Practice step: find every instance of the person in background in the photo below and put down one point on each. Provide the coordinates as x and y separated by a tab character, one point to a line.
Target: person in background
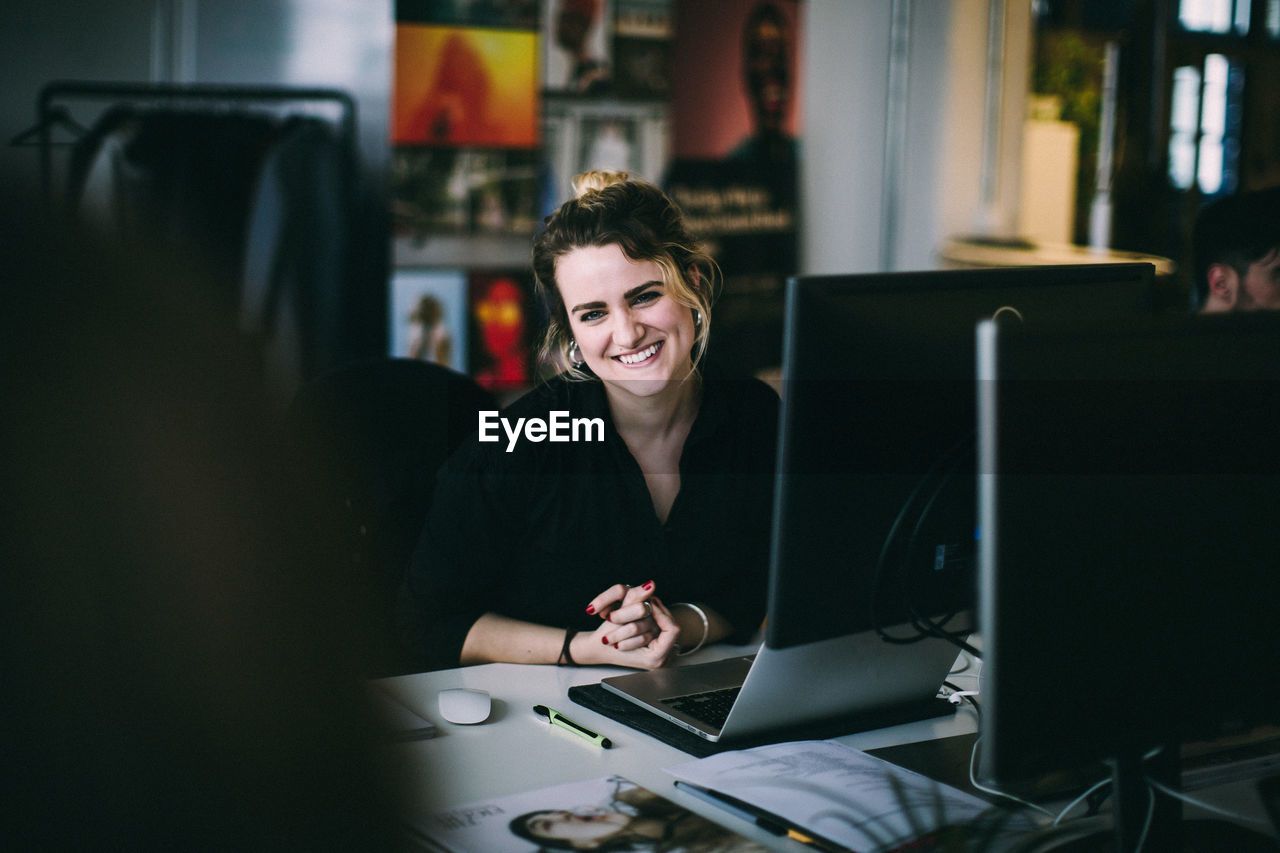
632	544
1236	244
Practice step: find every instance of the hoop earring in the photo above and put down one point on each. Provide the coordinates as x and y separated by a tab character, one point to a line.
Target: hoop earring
697	318
579	361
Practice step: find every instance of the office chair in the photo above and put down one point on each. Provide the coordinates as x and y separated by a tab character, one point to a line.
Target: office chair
367	440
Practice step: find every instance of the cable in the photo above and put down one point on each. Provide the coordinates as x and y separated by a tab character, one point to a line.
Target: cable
1071	805
930	626
1095	802
882	559
973	780
942	470
891	536
957	695
1146	825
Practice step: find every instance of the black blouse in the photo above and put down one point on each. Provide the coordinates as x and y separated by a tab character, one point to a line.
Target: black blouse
536	533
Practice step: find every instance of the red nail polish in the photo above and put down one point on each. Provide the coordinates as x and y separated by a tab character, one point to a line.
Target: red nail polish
604	640
649	585
615	645
591	608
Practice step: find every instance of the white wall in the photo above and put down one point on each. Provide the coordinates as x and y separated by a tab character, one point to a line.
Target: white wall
859	216
846	64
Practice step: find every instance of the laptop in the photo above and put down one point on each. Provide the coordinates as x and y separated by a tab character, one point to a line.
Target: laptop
775	689
874	514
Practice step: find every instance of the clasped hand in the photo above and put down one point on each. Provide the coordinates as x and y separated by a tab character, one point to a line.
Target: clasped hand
636	629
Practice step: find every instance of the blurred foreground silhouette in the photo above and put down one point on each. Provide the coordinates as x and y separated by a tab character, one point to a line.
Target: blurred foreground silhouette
181	666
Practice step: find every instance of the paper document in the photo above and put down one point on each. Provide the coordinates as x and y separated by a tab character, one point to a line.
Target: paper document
834	792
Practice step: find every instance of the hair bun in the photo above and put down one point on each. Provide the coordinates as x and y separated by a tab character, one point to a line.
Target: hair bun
596	180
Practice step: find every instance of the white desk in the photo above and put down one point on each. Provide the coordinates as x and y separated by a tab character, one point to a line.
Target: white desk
516	750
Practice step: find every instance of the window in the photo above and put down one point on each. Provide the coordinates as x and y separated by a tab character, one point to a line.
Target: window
1184	123
1214	16
1204	124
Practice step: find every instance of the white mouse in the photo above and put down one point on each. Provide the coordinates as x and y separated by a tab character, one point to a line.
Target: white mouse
464	705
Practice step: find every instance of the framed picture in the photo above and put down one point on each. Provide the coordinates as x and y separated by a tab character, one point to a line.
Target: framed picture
429	316
576	46
609	142
465	86
463	191
502	314
582	135
503	191
642	49
430	191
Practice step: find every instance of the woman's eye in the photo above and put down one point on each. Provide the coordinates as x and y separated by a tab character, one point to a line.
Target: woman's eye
647	297
590	316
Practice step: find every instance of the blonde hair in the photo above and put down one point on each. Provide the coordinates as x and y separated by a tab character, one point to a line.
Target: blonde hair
612	208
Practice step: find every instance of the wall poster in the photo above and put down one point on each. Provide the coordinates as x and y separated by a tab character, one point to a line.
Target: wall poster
504	323
466	118
464	86
735	159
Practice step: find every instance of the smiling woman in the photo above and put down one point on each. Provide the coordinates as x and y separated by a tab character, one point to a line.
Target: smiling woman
626	550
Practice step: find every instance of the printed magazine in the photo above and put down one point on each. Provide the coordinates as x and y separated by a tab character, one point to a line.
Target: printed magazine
609	813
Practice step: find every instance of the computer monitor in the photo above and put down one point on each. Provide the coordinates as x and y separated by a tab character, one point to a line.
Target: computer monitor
874	516
1129	486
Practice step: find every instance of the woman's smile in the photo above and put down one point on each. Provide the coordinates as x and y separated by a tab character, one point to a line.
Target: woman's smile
640	357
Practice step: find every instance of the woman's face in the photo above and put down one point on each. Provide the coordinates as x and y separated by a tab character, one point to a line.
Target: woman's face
582	830
630	331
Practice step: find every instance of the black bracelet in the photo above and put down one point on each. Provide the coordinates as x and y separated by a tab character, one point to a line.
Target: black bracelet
565	658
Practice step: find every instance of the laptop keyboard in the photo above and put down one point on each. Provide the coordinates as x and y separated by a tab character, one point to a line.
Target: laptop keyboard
711	707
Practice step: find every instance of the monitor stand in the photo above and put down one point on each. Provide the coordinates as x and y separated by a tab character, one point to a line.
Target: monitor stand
1155	823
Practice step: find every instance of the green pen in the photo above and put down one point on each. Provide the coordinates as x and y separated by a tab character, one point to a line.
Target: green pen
557	719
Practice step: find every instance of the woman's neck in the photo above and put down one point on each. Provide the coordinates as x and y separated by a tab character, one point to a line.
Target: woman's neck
671	410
